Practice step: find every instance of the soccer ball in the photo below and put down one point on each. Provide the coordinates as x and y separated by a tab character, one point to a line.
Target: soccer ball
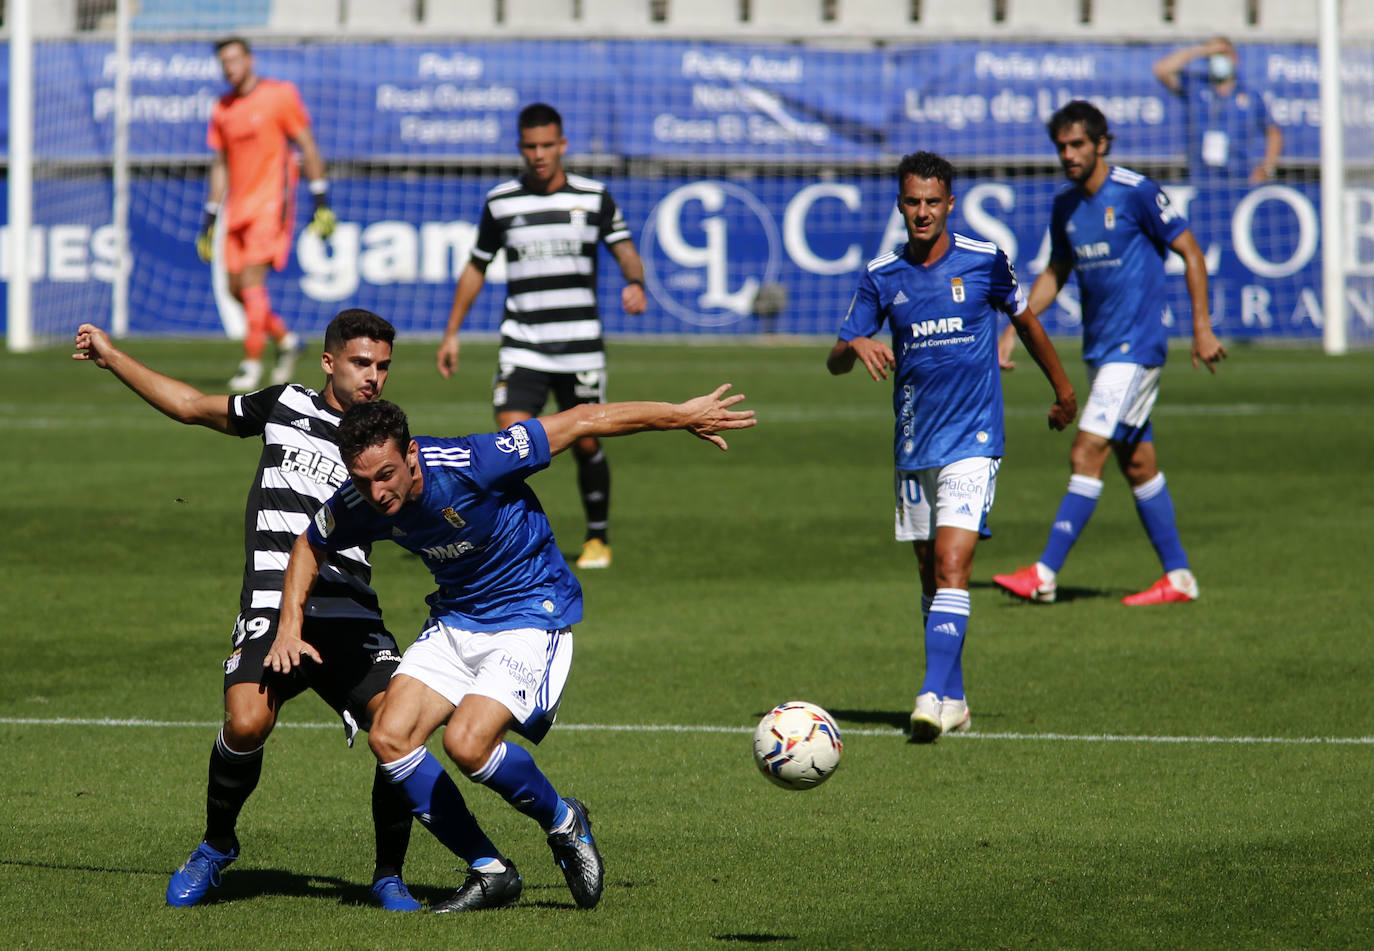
797	745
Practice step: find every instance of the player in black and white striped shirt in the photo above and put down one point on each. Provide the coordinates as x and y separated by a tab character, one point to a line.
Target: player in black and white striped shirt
299	469
550	224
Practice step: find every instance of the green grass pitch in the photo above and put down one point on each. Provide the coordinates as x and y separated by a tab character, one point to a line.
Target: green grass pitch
1191	776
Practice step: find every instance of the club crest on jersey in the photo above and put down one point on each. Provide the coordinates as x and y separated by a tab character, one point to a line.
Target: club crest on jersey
1109	217
577	217
956	289
453	518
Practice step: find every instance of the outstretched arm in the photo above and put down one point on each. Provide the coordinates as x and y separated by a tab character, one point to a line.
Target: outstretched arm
301	571
703	417
1206	347
181	401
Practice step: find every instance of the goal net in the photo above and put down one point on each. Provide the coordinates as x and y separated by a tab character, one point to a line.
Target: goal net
756	175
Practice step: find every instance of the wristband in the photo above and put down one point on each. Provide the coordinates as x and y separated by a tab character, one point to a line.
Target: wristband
318	186
212	208
636	282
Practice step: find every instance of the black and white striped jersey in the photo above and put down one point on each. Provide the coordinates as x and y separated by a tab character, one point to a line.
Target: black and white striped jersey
300	468
551	321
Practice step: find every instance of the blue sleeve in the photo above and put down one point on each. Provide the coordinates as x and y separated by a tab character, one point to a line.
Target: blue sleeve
345	521
511	455
1060	248
865	316
1004	291
1158	217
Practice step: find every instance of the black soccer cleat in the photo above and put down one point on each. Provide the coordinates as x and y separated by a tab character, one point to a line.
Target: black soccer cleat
575	853
484	890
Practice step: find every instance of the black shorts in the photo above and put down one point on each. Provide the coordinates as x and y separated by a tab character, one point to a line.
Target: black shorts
519	389
359	655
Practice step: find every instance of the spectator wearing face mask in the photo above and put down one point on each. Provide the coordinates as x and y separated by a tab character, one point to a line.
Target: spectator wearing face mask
1230	134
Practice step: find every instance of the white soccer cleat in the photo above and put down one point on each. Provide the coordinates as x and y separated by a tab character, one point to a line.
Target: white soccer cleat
248	377
954	716
290	347
925	719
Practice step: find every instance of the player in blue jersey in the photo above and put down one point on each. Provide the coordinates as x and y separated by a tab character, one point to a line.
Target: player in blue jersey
1113	227
495	652
1230	133
941	296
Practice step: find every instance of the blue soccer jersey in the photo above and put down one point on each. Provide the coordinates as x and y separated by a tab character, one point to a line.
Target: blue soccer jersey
1226	134
478	528
1117	240
943	317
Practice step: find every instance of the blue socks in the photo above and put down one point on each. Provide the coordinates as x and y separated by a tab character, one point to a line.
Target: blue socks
1072	517
511	773
435	800
1156	509
945	631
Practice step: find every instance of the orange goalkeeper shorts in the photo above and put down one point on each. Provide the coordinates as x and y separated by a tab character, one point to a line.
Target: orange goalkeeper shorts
260	240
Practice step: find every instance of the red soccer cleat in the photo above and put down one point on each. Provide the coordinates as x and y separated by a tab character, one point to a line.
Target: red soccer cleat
1025	582
1165	591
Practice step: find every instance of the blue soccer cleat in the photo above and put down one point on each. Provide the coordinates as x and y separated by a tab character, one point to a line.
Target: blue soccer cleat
391	894
197	875
576	854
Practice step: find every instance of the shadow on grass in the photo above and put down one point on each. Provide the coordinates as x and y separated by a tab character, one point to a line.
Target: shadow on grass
1062	594
754	938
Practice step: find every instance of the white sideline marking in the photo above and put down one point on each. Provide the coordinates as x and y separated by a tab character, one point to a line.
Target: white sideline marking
685	728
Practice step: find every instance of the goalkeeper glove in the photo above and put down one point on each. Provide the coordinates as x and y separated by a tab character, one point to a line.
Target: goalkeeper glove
322	222
205	238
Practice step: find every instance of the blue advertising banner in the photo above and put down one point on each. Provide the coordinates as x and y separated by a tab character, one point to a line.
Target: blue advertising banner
775	103
722	256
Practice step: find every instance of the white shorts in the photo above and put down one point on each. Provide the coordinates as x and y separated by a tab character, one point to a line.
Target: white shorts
1122	398
523	670
958	495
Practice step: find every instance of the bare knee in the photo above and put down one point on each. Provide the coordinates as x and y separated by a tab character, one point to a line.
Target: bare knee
247	725
387	743
468	751
1138	463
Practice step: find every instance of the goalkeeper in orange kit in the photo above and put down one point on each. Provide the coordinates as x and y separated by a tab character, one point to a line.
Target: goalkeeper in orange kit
251	131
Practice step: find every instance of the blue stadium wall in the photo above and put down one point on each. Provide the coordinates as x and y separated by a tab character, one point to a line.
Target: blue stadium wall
737	166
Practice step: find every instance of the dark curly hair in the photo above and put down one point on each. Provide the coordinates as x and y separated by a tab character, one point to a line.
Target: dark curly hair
372	424
926	165
1080	111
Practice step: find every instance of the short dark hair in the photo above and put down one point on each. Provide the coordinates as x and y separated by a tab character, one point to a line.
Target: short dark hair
233	41
537	114
926	165
356	322
372	424
1080	112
